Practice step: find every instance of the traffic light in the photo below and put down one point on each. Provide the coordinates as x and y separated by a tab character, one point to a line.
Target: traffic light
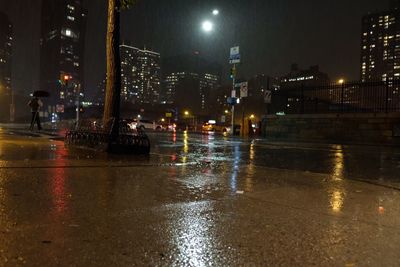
233	72
64	79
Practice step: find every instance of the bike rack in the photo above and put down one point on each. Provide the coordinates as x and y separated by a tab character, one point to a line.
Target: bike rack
89	133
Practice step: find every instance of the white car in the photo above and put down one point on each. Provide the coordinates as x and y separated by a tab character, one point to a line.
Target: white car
145	125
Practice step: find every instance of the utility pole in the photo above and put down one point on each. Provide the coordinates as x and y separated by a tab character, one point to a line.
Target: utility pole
234	59
233	95
78	93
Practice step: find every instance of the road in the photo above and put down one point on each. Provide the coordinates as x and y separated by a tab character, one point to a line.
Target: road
197	200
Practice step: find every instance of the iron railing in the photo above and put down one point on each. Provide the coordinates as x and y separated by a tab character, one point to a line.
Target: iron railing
353	97
93	134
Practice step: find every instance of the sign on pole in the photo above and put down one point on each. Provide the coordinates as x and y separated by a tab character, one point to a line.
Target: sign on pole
244	89
60	108
234	57
223	118
267	97
232	101
233	94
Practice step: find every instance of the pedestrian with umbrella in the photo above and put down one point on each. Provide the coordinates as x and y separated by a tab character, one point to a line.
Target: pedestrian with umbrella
35	104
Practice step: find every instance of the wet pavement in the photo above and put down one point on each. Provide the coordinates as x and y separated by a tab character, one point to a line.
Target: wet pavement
197	200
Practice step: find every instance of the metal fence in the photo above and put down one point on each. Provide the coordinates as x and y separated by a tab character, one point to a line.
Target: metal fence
354	97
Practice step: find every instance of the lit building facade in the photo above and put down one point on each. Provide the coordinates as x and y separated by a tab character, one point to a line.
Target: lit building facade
62	48
140	75
5	54
189	82
190	90
380	45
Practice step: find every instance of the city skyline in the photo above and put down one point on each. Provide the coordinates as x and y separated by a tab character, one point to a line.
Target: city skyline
270	51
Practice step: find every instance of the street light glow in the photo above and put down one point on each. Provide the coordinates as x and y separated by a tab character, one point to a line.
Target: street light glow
215	12
207	26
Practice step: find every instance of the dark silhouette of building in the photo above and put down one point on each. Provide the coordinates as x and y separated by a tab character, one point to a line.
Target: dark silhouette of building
5	54
62	45
380	45
189	82
141	75
298	77
5	66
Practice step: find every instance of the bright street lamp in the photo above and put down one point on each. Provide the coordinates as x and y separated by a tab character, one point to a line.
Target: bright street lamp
215	12
207	26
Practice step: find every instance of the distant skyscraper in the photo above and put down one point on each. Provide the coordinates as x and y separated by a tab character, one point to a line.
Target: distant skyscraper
189	82
62	49
5	54
380	45
140	75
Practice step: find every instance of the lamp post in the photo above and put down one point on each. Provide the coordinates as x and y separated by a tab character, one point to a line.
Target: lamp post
208	26
186	113
12	107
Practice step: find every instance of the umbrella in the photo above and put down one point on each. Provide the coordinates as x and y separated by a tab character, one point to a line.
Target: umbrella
41	94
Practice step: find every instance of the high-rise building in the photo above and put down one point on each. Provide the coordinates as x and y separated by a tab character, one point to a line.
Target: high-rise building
380	45
62	50
140	75
5	54
189	82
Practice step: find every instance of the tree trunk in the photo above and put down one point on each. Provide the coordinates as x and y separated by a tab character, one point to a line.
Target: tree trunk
113	86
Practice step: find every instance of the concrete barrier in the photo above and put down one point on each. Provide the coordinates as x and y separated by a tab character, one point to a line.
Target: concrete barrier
371	128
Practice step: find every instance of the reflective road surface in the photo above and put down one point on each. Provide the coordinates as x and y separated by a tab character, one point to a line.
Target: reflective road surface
198	200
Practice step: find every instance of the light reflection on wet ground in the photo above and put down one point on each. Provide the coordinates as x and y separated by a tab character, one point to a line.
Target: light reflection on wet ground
198	200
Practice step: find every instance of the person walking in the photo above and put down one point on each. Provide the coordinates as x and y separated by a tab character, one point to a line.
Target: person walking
35	104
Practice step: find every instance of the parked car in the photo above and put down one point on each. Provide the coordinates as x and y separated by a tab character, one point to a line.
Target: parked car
145	125
207	127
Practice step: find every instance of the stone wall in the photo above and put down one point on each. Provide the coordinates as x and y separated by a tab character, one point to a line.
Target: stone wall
343	128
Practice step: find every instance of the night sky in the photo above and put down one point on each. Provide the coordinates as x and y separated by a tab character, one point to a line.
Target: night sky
272	34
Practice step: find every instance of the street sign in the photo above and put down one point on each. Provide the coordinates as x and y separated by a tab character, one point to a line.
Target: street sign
233	94
244	89
60	108
267	97
234	57
232	101
235	50
168	115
